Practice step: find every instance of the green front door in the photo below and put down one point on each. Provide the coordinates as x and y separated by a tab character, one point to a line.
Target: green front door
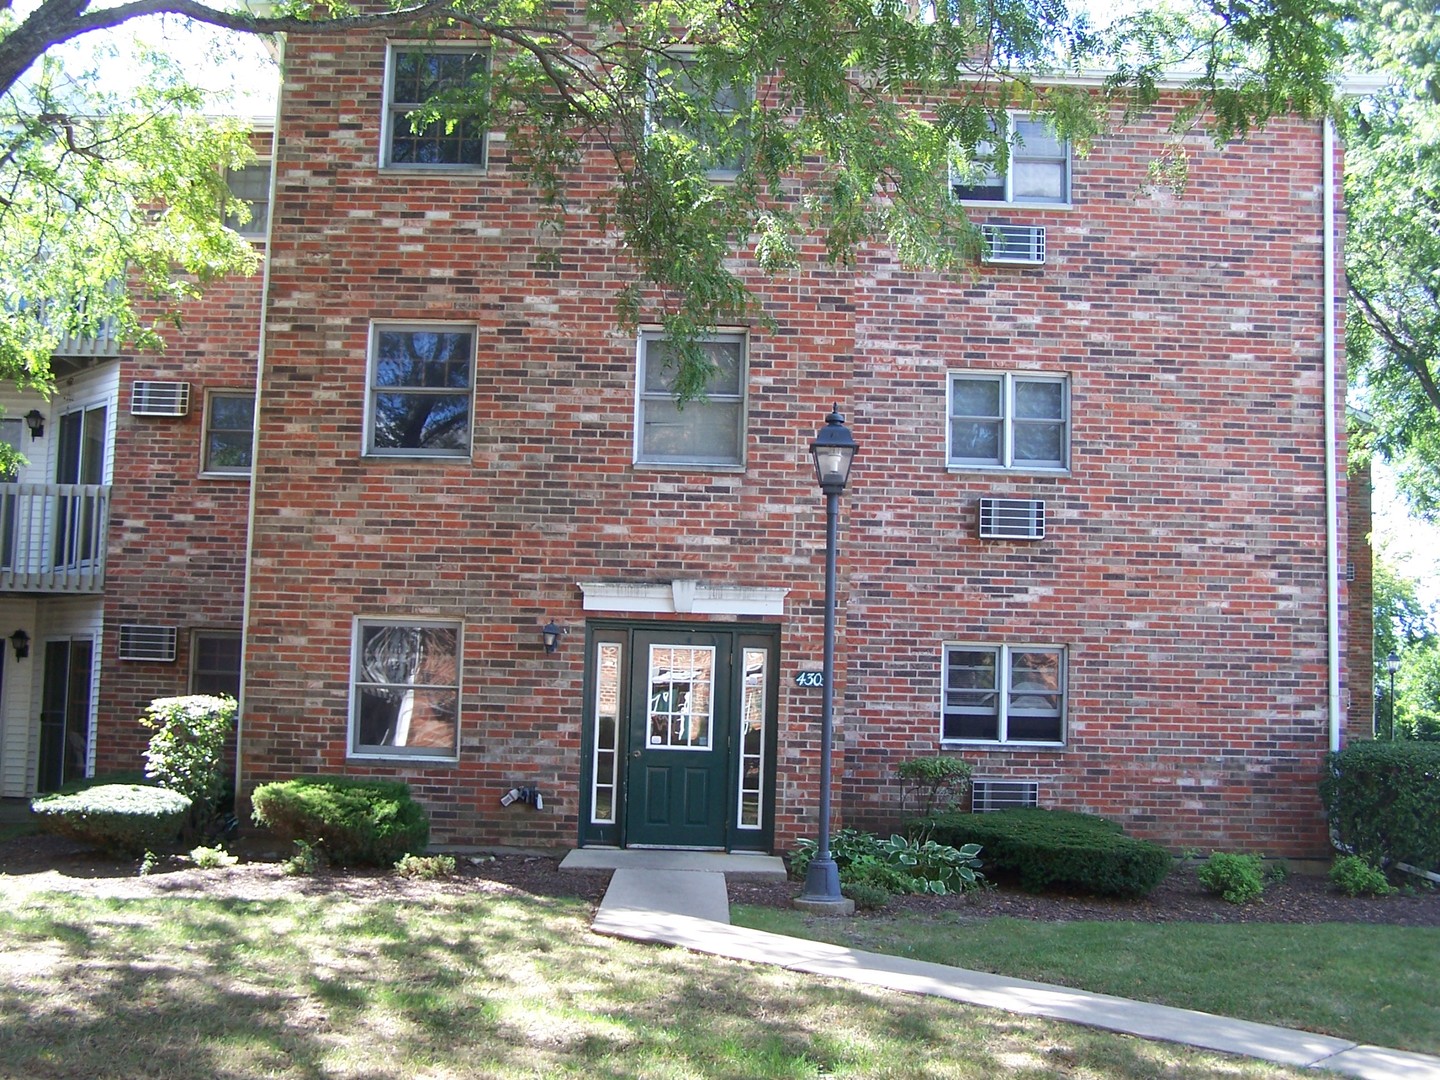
679	736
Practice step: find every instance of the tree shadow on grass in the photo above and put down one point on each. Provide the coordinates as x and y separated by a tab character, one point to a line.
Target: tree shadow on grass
484	987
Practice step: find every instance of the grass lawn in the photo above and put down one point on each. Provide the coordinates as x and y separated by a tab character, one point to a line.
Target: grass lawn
475	985
1373	984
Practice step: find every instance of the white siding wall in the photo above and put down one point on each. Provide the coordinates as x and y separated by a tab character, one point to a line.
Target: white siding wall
19	718
48	618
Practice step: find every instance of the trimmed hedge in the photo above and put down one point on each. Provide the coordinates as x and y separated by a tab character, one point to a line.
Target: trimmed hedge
1383	800
1057	849
120	819
355	822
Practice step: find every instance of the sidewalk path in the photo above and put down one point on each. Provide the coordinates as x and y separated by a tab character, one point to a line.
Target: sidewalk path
689	909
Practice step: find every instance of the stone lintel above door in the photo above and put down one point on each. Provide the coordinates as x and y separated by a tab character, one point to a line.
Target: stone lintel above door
682	597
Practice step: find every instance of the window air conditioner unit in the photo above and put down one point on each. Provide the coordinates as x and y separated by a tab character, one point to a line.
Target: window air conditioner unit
987	795
160	399
1013	245
155	644
1012	519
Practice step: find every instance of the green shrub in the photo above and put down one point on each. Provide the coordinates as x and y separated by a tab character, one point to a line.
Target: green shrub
866	897
186	751
358	822
426	867
121	819
934	785
1383	799
305	859
874	872
846	846
1236	878
897	865
1057	849
212	858
1355	875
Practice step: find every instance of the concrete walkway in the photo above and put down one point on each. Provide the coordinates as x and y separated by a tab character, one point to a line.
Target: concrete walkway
651	898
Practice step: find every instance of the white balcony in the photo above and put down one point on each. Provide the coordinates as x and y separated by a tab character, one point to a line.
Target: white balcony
52	537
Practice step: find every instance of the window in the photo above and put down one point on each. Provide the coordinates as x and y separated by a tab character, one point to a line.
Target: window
1004	693
407	690
420	382
250	184
215	663
1037	169
10	429
417	74
714	116
229	431
1009	421
702	432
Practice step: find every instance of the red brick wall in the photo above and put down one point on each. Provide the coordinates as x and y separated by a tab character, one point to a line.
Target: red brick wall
1184	569
176	554
1360	628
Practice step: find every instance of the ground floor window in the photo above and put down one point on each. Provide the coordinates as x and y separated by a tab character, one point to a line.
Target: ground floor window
1004	694
215	663
406	692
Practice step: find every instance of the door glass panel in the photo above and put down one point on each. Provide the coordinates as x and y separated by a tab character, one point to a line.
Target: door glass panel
681	705
752	739
9	501
80	459
64	713
607	720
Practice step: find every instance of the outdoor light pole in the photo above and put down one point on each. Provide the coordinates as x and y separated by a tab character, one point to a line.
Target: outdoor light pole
833	450
1392	665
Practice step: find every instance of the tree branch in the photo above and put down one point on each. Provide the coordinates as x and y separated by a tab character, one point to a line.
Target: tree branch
1404	352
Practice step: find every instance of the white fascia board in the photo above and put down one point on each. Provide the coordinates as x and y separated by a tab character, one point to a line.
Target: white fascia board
681	597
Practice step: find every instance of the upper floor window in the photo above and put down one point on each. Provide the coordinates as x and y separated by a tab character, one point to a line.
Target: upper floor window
709	431
714	116
420	390
418	74
1009	420
250	184
229	431
406	694
1036	170
1004	693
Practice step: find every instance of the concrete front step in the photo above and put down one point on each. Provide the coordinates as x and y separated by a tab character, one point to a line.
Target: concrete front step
740	867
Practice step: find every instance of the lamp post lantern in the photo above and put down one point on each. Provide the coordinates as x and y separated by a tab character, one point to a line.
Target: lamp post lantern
1392	665
833	450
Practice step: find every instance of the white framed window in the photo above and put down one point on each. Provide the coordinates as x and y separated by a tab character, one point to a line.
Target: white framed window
420	389
1036	169
250	184
703	432
229	432
405	689
416	73
715	116
1004	694
1009	420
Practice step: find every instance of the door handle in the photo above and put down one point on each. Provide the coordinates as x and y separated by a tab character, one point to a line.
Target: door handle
635	754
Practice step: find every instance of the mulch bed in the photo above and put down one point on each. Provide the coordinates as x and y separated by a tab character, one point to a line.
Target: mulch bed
37	862
1300	898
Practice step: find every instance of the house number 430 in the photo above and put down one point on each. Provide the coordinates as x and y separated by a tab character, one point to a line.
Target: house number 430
810	678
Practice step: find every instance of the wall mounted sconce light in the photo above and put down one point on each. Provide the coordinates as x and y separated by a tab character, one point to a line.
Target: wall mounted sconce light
35	421
552	635
21	642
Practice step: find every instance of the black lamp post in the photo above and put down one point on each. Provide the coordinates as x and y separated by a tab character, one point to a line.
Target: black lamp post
1392	665
833	450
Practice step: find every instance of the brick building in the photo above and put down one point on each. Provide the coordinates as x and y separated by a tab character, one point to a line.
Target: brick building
1092	541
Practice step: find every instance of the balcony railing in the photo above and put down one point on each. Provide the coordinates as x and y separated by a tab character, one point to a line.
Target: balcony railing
52	537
